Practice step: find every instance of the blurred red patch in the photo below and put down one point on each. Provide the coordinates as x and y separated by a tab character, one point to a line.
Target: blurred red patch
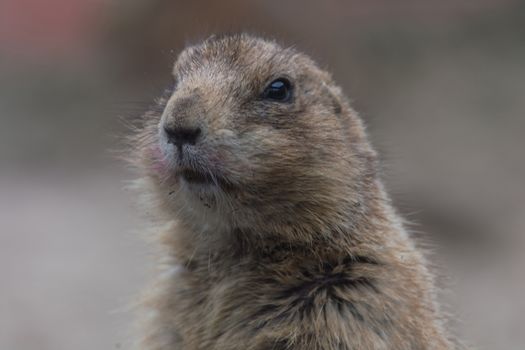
48	28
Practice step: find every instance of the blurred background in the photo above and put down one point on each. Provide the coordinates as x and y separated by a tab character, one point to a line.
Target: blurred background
440	85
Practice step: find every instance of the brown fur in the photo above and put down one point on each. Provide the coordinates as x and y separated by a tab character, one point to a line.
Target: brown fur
295	245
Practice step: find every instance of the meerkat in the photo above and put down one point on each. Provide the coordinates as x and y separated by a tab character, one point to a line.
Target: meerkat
277	232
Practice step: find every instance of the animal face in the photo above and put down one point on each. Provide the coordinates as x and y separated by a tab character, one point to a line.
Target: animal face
254	129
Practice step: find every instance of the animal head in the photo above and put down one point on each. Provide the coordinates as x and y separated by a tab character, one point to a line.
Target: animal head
255	135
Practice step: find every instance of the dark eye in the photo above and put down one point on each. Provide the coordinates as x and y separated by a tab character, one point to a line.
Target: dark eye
278	90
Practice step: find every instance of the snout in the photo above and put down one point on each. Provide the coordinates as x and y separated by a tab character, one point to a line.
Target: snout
181	123
189	145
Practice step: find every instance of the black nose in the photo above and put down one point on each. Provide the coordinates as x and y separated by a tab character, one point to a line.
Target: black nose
180	136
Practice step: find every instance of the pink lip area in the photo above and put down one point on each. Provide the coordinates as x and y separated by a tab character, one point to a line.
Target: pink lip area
159	163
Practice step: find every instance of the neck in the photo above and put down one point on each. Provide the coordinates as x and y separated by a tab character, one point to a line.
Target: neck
365	231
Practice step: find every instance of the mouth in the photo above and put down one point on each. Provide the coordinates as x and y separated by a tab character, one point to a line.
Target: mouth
197	177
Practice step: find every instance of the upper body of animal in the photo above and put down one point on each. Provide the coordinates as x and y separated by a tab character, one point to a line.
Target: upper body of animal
277	232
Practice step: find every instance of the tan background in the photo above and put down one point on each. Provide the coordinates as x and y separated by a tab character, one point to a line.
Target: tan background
440	85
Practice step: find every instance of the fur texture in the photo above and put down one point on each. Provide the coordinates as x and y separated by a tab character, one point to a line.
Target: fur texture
277	233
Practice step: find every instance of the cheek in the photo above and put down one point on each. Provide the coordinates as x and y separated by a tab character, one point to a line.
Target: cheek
266	141
266	148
